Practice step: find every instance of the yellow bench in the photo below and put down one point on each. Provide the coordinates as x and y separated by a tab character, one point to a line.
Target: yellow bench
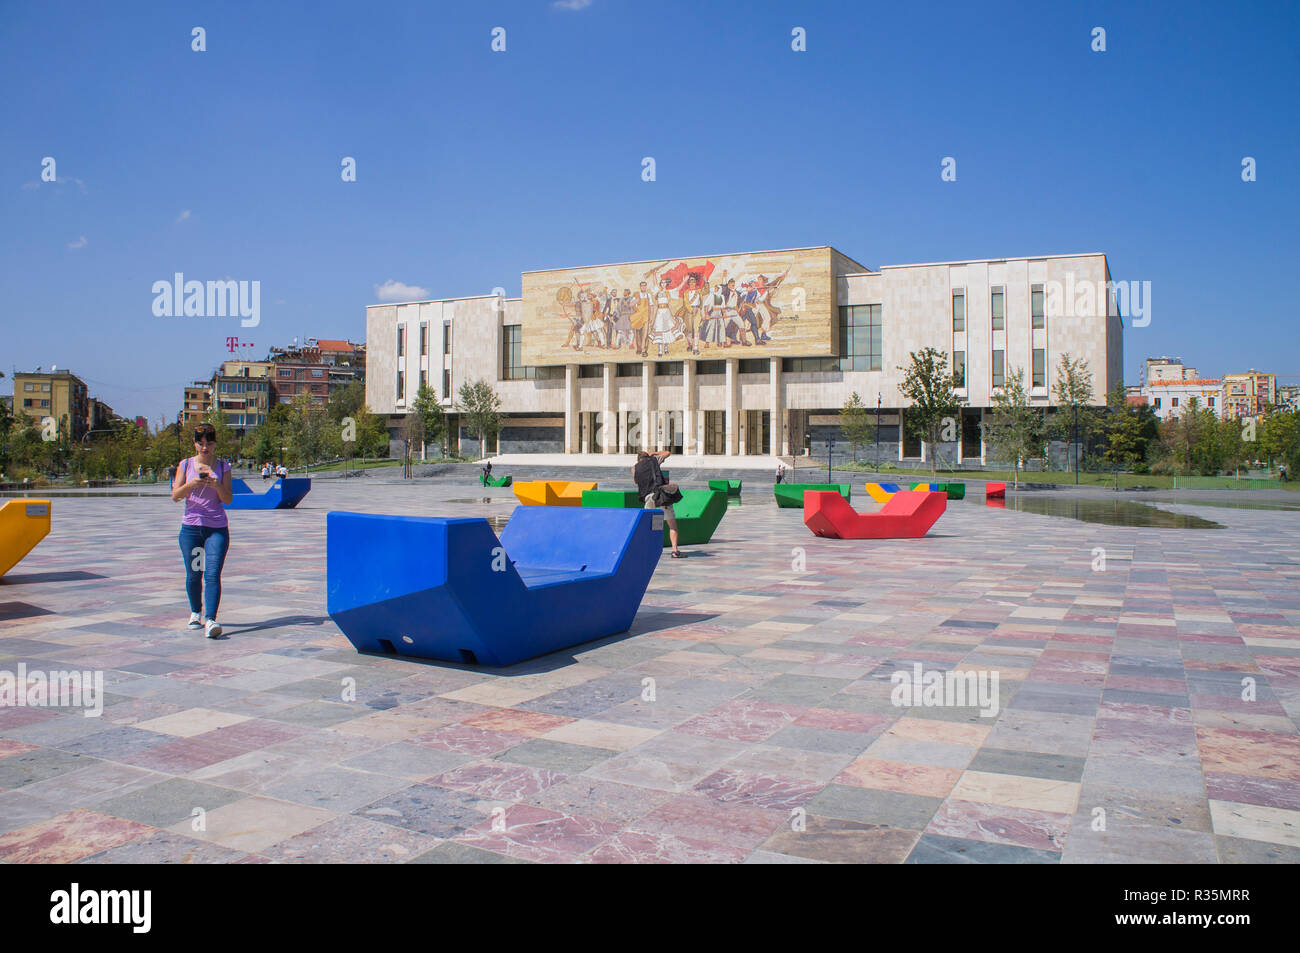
551	492
23	524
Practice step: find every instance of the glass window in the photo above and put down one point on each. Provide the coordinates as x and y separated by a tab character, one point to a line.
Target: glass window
1174	402
28	386
424	382
810	364
590	370
1038	319
858	351
424	339
959	311
668	369
1040	368
754	365
996	305
512	365
401	340
999	369
318	372
446	337
958	368
1157	403
711	367
627	370
401	385
446	384
549	373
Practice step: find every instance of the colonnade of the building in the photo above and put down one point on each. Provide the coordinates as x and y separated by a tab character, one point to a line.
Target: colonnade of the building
657	426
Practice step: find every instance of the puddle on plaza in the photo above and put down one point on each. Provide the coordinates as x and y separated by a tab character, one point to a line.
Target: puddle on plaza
1109	512
1234	504
483	499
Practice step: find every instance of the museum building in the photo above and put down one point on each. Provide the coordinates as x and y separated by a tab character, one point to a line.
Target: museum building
748	353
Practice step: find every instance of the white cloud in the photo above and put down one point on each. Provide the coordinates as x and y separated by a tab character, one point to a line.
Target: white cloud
79	243
392	290
571	4
185	213
31	186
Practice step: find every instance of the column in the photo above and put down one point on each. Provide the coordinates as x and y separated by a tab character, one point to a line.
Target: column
776	425
732	405
688	407
961	432
570	408
984	450
609	421
900	435
649	432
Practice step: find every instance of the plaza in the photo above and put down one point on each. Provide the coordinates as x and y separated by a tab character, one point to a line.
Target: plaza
1145	710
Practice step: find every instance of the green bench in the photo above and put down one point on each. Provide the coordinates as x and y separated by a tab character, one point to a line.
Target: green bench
729	487
611	499
698	514
494	481
790	495
955	491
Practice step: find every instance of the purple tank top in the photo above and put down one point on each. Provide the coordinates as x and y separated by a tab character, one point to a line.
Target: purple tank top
203	506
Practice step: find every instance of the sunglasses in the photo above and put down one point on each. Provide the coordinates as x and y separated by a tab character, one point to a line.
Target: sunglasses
200	437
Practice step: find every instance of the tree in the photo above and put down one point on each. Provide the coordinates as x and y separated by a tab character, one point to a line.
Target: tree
1014	429
1129	430
227	441
480	410
1075	416
1183	438
306	430
934	407
856	424
432	420
347	402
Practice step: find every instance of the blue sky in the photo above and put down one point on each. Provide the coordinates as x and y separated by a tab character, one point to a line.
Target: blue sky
473	166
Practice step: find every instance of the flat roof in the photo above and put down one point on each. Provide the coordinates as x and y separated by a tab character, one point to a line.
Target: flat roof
980	261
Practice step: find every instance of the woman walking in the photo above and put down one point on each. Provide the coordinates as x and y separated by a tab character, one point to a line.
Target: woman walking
203	482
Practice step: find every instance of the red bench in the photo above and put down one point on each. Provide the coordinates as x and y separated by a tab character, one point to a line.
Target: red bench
908	515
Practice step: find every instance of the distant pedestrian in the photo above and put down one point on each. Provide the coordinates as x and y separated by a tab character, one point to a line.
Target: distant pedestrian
780	473
203	482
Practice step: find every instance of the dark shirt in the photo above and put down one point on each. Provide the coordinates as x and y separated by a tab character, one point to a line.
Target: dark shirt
648	477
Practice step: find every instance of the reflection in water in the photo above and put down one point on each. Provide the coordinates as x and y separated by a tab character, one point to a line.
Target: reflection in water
1235	505
997	502
498	523
1109	512
483	499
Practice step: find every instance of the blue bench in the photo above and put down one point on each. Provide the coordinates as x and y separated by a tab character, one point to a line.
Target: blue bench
449	589
284	494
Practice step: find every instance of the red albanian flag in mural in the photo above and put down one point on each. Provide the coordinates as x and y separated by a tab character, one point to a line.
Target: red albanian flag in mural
681	271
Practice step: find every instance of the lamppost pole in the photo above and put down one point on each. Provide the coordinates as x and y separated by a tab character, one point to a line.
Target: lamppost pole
877	432
1076	444
830	453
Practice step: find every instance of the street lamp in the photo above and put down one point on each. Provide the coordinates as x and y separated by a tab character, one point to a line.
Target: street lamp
830	453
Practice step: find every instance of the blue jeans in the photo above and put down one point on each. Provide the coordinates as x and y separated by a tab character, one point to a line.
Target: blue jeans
203	568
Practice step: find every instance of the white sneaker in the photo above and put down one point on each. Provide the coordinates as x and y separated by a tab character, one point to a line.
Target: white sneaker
214	629
195	621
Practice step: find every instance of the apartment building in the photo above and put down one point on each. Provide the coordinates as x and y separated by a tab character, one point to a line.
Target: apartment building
57	394
1248	394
